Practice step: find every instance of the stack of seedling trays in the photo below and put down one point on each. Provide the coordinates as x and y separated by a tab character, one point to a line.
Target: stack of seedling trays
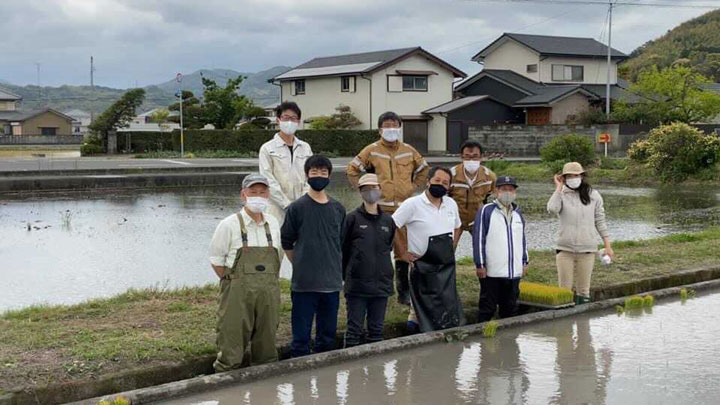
545	296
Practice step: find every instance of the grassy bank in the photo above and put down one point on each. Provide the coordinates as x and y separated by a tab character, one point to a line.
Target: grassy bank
608	170
44	345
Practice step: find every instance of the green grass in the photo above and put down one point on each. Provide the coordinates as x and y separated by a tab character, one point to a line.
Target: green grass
153	326
489	329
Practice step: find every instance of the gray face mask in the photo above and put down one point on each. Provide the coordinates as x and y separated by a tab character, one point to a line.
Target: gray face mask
371	196
506	198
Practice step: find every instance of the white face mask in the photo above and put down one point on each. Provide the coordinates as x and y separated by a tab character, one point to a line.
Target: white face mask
574	182
289	127
391	134
506	198
471	166
256	205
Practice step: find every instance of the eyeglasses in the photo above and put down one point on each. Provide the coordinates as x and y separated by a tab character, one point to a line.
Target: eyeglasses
289	118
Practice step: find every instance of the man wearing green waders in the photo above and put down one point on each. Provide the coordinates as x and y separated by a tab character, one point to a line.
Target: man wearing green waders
245	253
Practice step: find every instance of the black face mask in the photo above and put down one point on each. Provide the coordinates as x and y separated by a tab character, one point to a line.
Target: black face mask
318	183
437	190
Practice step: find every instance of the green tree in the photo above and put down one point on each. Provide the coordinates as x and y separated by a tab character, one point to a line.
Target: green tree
224	107
672	94
342	119
194	116
118	115
160	117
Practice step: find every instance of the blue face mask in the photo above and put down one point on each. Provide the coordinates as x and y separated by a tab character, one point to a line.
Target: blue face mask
318	183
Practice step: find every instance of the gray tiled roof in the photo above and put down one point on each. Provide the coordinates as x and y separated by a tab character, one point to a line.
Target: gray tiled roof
548	95
616	92
24	115
516	79
6	94
565	46
455	104
356	58
357	63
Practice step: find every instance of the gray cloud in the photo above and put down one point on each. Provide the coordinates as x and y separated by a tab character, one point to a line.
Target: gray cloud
148	41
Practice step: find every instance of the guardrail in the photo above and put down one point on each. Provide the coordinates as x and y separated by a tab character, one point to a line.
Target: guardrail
41	139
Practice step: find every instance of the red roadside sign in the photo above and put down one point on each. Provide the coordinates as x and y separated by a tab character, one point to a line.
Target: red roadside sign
604	138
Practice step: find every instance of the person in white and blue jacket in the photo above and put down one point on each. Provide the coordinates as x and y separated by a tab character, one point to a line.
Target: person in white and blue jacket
500	251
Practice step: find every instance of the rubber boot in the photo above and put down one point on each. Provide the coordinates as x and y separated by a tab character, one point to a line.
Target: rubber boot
402	282
579	300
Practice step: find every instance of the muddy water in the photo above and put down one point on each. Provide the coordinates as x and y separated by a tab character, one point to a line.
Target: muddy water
668	356
86	246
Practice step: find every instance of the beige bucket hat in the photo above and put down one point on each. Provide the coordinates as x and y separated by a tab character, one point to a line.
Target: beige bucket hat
368	180
573	168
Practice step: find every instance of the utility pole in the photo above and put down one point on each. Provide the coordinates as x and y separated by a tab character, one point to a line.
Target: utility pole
39	96
92	90
178	78
609	57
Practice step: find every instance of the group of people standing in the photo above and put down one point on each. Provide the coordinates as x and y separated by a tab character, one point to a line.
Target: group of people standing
287	212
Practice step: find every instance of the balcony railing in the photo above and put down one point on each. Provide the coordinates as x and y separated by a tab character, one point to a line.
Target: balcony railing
41	139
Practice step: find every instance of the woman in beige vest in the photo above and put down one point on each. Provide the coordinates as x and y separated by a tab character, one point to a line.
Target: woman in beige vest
582	218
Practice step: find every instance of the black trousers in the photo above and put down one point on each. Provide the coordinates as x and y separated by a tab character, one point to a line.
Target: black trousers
498	292
360	310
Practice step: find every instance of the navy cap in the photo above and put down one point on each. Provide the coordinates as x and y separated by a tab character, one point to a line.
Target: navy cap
506	181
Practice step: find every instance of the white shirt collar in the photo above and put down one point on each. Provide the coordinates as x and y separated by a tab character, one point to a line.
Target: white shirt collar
426	200
249	221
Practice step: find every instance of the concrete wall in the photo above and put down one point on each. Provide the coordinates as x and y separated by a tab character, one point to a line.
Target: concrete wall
573	105
513	56
526	140
595	69
47	120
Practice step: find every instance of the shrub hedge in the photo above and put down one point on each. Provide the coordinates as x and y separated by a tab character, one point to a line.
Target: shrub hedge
334	142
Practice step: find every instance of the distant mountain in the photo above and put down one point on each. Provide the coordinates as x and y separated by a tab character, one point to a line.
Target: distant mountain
695	42
65	98
255	86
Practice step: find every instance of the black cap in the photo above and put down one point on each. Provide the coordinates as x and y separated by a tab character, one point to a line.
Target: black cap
506	181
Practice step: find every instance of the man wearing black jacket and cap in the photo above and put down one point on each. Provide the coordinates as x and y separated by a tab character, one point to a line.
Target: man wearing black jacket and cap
367	267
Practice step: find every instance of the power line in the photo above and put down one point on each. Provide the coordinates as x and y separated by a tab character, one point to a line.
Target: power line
605	3
514	29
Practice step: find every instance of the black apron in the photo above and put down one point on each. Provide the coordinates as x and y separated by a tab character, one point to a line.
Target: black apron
433	289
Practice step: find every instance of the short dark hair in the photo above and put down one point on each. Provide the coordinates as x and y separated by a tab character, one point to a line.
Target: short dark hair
470	143
389	116
435	169
318	162
288	105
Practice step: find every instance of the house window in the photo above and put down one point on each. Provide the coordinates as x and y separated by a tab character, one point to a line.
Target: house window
48	131
567	73
7	129
415	83
345	84
299	86
532	68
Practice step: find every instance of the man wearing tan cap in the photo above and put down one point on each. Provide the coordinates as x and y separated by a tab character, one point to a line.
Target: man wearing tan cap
367	267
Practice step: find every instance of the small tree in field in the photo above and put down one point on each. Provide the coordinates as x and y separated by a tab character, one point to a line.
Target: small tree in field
342	119
673	94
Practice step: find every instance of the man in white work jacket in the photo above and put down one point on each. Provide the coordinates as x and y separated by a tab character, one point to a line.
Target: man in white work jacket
282	161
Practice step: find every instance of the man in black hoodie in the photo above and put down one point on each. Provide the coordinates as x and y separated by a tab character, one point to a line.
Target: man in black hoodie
367	267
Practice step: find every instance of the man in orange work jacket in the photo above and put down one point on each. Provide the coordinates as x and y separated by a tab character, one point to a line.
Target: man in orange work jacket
400	170
471	184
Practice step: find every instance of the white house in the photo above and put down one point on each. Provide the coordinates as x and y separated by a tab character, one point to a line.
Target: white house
407	81
551	59
541	80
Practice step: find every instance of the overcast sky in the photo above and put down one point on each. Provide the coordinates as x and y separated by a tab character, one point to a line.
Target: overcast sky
147	41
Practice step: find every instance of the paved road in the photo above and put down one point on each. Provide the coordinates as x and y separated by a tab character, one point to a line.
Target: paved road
91	163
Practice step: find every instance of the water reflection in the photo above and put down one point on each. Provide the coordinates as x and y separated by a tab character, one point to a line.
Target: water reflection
84	246
668	356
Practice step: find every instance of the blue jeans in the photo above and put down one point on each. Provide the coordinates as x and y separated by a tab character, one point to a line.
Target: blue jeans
306	306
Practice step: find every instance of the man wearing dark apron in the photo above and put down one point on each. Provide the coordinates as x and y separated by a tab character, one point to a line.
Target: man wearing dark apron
434	226
249	303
